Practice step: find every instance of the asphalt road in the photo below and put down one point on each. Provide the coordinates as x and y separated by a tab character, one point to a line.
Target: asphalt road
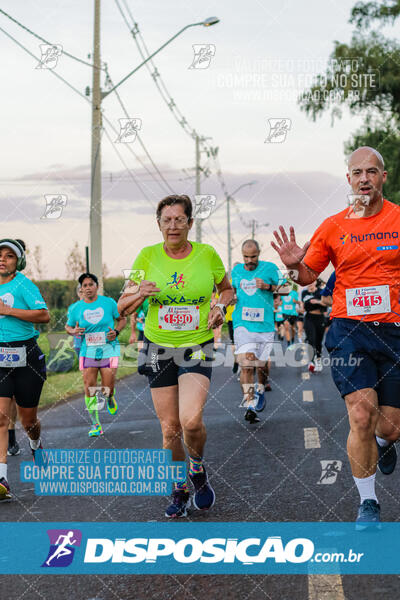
260	472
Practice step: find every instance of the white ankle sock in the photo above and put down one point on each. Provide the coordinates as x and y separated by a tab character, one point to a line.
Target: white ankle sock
382	442
366	487
3	470
34	444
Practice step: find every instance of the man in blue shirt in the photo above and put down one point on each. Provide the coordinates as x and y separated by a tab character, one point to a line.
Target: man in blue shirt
253	321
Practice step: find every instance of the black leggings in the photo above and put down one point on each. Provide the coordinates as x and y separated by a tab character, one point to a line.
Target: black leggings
314	326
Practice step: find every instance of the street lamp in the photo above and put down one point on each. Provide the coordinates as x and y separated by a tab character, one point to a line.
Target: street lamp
96	261
206	23
228	219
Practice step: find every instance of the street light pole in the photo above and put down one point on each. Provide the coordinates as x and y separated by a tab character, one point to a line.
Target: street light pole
198	221
229	197
96	261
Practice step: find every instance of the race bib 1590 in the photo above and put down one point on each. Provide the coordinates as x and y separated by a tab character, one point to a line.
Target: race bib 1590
179	318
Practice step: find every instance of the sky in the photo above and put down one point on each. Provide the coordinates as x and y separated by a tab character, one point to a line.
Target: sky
264	55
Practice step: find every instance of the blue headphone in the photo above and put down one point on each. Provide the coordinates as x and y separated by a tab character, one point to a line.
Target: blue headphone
21	261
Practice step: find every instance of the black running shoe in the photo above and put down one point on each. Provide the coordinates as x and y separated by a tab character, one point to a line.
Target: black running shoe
387	458
251	416
235	367
180	502
13	450
368	515
204	496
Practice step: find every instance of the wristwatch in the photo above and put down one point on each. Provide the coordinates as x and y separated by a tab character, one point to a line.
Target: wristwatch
222	307
117	332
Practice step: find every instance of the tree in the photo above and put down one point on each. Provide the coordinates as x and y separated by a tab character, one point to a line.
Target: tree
28	271
364	76
75	263
34	266
106	271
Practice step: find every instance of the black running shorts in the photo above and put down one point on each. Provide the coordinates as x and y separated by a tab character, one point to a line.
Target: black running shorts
290	318
24	383
164	365
365	354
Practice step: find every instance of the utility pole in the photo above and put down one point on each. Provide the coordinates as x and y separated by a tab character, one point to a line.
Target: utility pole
198	221
96	262
253	228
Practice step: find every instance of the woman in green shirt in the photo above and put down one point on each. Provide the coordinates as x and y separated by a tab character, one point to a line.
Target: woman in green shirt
178	276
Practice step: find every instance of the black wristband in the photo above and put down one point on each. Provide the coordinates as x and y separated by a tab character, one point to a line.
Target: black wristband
117	332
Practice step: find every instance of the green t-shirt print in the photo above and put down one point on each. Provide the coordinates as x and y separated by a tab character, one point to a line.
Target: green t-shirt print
178	313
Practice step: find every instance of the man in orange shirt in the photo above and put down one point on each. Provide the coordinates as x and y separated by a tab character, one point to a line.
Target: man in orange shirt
362	242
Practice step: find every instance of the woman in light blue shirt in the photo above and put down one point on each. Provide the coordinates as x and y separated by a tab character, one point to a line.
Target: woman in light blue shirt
22	363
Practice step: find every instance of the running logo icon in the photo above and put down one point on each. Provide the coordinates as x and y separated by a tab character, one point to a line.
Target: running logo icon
63	543
49	56
55	204
128	129
204	205
176	282
278	130
330	471
203	54
343	238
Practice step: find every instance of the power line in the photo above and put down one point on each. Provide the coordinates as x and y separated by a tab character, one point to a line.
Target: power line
44	40
165	94
128	169
137	134
82	96
50	70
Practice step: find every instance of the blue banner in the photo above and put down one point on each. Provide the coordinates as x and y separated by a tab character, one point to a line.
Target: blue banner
114	472
199	548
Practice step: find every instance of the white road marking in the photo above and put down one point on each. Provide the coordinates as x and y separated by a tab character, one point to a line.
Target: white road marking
136	432
311	438
325	587
305	375
308	396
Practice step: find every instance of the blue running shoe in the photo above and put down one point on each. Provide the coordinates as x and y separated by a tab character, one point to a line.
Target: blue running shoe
204	495
368	515
180	502
260	402
387	458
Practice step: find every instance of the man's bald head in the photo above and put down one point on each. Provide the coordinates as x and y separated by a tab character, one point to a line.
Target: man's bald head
362	155
366	176
248	245
250	253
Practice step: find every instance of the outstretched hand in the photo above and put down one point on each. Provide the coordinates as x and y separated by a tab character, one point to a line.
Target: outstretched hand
290	253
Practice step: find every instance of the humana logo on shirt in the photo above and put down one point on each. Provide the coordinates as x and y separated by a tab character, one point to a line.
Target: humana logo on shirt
365	237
